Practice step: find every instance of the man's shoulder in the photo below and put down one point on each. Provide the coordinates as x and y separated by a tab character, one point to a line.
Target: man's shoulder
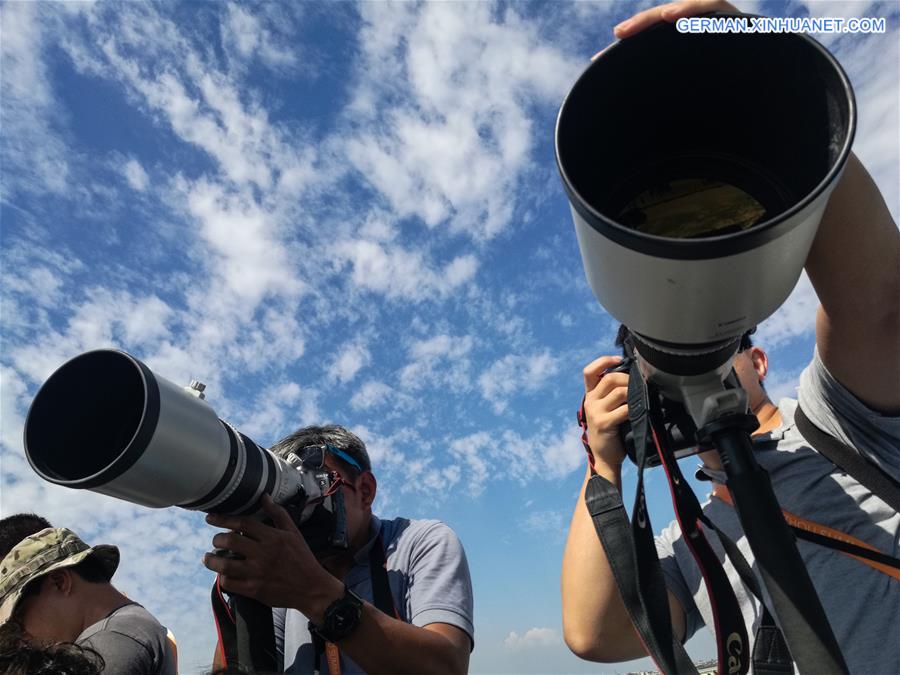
408	529
132	621
135	615
408	539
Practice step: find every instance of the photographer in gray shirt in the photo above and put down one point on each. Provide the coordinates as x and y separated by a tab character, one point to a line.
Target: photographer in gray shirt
399	600
849	391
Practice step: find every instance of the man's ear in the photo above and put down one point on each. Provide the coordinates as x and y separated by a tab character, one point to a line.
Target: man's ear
61	581
760	363
368	486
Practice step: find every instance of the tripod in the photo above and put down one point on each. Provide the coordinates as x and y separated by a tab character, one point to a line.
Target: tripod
718	406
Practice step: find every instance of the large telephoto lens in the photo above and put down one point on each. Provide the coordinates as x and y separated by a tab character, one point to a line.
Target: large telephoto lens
104	422
698	167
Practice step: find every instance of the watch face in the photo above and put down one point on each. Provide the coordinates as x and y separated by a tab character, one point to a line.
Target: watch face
342	617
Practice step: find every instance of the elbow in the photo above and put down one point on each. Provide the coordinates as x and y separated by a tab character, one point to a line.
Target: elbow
453	661
456	664
585	644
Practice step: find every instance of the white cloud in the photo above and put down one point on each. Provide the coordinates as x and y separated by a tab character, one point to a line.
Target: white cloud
244	34
550	523
472	454
280	410
250	258
439	359
515	374
534	638
349	361
370	394
783	384
135	175
547	454
29	141
453	82
399	272
795	318
104	319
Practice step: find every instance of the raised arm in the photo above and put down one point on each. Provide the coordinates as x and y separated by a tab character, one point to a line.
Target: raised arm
854	266
596	625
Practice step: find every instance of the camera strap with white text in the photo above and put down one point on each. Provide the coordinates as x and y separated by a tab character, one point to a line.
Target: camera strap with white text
631	553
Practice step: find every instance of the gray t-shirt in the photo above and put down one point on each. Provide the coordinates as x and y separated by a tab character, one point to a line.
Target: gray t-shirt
131	642
429	579
862	604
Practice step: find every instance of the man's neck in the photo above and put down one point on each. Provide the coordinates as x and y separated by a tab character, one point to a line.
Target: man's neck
101	600
769	418
339	565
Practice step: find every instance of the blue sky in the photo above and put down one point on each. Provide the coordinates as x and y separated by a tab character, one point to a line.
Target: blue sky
344	213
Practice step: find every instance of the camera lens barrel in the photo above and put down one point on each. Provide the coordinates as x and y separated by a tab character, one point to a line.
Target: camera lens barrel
104	422
697	167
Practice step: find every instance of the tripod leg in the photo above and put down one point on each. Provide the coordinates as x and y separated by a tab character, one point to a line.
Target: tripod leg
794	598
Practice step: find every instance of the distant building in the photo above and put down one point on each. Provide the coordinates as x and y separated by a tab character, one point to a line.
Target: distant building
707	667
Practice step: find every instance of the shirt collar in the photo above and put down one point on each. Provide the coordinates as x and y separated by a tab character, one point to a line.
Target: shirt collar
362	555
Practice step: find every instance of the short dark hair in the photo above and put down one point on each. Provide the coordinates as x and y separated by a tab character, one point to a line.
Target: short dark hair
330	434
18	656
14	528
91	570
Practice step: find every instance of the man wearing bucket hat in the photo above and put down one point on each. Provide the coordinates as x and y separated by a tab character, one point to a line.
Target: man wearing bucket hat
849	391
58	589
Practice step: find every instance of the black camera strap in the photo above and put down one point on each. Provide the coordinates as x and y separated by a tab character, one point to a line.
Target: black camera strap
631	552
849	460
382	598
646	603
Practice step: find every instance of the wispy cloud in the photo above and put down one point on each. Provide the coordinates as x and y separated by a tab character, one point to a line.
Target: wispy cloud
795	318
441	359
452	145
533	638
348	361
135	175
514	374
29	141
402	273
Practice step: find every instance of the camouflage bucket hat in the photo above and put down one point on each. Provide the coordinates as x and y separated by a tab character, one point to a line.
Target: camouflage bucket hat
36	555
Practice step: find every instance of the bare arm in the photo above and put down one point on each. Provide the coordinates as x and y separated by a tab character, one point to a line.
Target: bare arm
596	625
386	645
854	266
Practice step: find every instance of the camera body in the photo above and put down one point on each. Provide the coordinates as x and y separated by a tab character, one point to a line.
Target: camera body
320	514
679	426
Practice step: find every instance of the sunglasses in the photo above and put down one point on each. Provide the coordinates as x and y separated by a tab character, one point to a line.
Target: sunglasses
313	456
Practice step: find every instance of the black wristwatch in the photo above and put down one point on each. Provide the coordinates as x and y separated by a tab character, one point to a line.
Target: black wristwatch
340	619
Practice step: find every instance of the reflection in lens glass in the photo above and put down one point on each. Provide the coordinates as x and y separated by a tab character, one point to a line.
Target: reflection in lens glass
693	207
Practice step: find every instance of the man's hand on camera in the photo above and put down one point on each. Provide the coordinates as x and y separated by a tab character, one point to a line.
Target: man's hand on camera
278	568
605	408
